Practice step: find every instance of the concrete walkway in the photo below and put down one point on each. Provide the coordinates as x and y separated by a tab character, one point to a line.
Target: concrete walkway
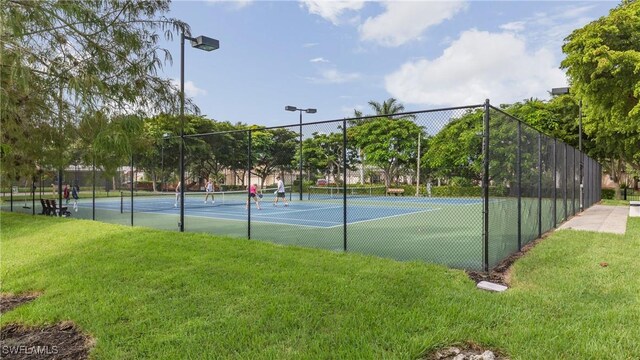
600	218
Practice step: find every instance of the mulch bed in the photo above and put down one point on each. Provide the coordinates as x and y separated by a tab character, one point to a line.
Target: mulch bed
59	341
10	301
465	351
500	274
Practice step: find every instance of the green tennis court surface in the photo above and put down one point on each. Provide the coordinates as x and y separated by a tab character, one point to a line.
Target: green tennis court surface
440	230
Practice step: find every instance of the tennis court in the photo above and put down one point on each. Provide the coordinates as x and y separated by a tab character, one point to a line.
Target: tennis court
319	213
438	229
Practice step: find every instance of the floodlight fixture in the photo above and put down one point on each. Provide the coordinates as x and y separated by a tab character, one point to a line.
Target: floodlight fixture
205	43
560	91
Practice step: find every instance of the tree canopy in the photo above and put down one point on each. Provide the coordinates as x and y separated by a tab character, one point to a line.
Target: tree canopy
603	66
65	62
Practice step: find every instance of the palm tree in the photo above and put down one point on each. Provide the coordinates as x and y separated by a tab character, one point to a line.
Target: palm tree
390	106
358	115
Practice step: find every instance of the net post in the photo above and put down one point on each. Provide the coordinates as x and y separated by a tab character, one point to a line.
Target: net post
121	202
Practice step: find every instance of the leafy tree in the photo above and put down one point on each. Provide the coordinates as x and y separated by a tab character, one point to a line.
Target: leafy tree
65	60
272	149
324	154
388	109
603	66
456	150
390	144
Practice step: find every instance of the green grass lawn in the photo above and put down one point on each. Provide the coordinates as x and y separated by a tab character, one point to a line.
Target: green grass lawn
154	294
614	202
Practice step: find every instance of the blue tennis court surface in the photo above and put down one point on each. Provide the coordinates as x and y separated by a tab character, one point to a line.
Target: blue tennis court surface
321	214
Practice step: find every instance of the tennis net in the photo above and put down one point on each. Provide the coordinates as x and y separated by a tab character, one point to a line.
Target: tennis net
328	192
149	201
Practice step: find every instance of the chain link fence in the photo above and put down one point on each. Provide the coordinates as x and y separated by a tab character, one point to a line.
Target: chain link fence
465	186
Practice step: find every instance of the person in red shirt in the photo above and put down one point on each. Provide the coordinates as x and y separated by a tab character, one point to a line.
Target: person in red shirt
253	193
65	193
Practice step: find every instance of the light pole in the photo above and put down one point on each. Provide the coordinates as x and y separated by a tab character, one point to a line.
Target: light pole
202	43
565	91
308	111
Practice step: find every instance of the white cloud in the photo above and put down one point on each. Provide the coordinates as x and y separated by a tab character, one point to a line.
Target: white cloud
548	29
319	60
234	4
477	66
571	12
331	10
513	26
308	45
190	88
349	111
404	21
333	76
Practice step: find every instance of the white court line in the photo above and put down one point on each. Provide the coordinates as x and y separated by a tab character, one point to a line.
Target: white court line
386	217
266	222
284	223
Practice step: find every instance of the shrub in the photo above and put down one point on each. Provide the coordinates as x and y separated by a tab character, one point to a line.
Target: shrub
608	194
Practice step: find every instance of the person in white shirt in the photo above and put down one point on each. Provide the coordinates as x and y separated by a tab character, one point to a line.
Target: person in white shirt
177	194
280	193
209	190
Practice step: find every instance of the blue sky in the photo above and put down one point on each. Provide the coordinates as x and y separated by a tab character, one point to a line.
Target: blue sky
336	56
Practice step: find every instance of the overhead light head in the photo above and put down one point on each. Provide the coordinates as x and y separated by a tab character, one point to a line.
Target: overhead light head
311	111
290	108
560	91
205	43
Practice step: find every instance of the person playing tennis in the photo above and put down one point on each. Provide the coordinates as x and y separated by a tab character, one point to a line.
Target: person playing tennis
253	193
177	194
209	190
280	193
74	194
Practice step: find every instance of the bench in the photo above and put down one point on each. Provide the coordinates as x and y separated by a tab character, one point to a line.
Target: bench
395	191
45	207
55	210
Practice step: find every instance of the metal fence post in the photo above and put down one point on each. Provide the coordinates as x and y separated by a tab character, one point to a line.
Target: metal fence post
93	196
485	185
131	177
555	184
565	183
519	176
344	182
33	196
573	182
539	185
249	185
